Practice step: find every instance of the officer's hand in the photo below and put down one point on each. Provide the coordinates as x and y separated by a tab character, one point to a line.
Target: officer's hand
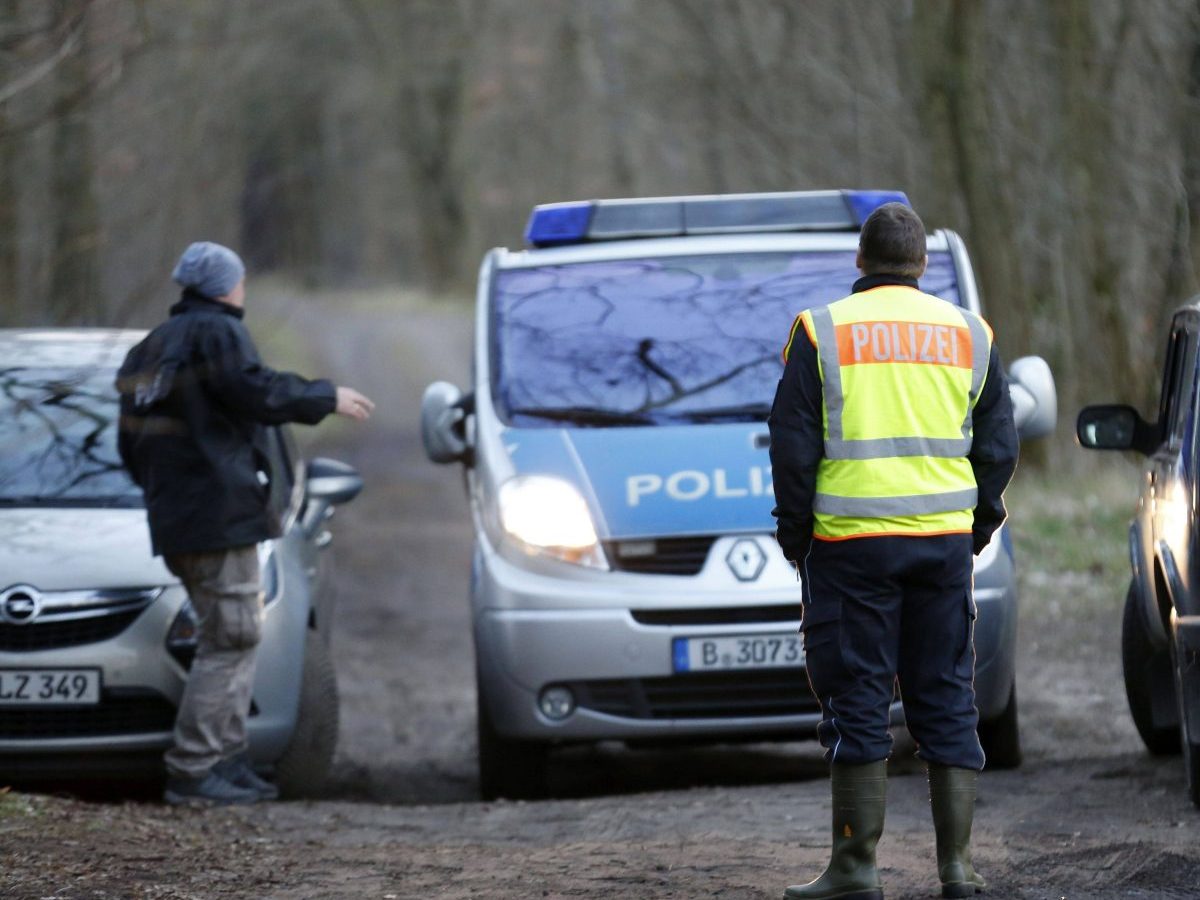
353	405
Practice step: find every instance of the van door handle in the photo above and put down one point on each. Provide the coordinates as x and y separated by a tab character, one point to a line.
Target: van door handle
762	441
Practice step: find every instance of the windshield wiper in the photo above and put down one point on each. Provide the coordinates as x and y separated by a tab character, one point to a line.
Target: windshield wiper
747	412
585	415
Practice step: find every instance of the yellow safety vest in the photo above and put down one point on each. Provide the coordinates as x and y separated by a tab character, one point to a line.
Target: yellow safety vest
901	372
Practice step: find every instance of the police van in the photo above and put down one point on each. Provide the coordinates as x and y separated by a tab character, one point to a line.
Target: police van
626	584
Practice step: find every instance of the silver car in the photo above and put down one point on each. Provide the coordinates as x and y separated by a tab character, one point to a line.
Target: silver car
626	584
96	636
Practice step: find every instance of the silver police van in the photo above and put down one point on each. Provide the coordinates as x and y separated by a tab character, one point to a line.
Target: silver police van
625	583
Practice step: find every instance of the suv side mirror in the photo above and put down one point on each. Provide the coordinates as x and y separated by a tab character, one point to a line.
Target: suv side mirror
444	411
1112	427
1034	399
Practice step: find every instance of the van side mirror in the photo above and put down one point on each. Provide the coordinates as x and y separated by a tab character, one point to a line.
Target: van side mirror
444	411
1113	427
328	483
1034	398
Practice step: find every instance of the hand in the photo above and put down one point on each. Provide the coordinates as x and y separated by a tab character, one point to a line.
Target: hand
353	405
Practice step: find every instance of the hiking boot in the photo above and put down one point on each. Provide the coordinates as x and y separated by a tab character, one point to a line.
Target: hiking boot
237	771
209	790
952	796
859	802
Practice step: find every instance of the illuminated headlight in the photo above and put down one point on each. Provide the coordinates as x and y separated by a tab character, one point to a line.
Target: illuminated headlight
546	516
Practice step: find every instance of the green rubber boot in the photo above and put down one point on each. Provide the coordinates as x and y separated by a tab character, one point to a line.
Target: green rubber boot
859	800
952	796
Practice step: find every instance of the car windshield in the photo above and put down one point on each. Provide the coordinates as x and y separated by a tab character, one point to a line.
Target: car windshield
661	340
58	439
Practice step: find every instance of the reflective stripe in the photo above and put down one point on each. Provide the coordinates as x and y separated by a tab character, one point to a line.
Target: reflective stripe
831	373
882	507
882	448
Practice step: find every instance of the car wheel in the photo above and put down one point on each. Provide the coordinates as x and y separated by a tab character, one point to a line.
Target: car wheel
507	768
304	766
1145	668
1001	736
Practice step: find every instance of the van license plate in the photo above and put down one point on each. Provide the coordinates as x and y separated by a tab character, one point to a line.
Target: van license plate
747	651
43	687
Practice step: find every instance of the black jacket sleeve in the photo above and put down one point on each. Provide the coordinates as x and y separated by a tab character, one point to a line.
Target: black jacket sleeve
797	446
994	451
241	383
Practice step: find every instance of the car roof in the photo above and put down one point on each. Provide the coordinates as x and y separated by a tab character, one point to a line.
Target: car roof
695	245
66	347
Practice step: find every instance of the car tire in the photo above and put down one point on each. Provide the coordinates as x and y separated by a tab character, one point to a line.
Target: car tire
1139	660
512	769
1001	736
304	766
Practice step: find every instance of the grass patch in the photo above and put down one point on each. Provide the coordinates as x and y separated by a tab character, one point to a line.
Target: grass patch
14	806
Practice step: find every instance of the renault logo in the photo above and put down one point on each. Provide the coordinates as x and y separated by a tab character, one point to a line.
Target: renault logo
746	559
20	605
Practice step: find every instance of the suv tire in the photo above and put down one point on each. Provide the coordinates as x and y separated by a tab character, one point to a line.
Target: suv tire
304	766
508	768
1145	668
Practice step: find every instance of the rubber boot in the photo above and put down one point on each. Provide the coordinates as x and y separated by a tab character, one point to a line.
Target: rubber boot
952	796
859	801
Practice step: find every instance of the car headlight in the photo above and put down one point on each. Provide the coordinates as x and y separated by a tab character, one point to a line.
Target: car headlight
547	516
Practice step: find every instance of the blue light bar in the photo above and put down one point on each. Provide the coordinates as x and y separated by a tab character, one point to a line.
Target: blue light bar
559	223
863	203
578	222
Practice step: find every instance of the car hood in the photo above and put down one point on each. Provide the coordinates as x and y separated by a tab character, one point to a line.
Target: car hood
77	549
658	481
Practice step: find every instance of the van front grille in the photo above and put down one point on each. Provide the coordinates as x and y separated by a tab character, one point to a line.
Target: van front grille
661	556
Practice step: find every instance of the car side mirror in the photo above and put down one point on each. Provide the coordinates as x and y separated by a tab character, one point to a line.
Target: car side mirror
444	411
1114	427
332	482
1034	398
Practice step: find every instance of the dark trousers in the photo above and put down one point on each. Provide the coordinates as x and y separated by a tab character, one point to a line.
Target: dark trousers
881	608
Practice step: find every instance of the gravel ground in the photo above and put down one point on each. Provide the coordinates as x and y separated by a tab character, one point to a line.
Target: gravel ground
1090	814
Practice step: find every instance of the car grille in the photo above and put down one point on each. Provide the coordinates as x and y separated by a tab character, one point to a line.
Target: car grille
120	711
661	556
712	695
73	618
720	615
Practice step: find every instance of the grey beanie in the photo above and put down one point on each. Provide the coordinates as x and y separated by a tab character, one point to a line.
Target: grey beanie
209	269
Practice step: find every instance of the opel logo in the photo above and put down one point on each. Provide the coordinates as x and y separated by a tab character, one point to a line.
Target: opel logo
746	559
20	604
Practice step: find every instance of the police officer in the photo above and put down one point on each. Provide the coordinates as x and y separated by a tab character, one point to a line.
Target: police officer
892	440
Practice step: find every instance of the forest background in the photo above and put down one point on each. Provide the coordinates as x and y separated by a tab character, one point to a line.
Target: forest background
368	142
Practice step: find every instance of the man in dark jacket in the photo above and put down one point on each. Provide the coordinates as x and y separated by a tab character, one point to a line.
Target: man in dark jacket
195	400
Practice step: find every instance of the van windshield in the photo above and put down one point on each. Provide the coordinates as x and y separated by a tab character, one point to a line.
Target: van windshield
58	438
660	340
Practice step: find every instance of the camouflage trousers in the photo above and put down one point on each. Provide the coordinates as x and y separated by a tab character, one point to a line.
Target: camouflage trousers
226	593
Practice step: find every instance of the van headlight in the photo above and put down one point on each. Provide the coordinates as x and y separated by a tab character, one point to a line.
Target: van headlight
547	517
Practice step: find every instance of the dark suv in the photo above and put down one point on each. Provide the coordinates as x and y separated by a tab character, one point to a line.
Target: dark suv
1160	633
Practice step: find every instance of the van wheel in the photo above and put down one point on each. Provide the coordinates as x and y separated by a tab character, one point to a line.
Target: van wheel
304	766
508	768
1001	736
1141	663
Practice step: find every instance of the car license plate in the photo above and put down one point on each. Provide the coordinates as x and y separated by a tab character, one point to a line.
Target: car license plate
744	651
41	687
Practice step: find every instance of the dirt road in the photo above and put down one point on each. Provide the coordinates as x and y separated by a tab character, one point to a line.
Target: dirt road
1090	815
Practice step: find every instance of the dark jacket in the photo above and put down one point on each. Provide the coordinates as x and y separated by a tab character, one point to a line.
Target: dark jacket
194	402
798	443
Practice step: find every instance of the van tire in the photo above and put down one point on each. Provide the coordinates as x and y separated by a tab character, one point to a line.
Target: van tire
1001	736
511	769
303	768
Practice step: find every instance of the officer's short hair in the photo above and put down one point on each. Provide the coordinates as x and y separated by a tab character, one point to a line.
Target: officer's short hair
892	242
